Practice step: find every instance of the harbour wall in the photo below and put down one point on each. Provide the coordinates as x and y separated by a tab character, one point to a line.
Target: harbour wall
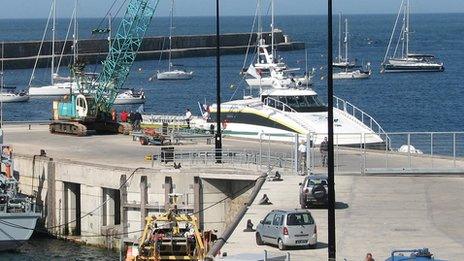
22	55
96	204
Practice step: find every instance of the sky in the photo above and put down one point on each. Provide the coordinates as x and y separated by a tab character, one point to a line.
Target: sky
98	8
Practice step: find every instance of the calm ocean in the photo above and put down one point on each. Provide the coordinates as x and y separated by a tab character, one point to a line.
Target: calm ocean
399	102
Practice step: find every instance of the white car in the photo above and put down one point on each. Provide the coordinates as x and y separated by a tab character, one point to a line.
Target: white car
286	228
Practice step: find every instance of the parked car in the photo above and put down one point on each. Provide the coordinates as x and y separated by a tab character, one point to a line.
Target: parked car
412	255
314	191
287	228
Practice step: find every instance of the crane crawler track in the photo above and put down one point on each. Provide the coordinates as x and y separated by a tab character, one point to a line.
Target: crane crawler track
69	128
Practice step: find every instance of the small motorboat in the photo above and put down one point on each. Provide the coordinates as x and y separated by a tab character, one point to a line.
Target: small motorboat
130	97
355	74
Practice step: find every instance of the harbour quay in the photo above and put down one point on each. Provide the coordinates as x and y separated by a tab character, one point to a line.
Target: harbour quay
396	200
23	55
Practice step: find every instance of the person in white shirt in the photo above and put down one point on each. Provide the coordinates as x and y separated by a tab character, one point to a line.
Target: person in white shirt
188	117
302	157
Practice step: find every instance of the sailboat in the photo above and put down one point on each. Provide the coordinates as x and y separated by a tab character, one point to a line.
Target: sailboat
130	96
269	70
174	72
402	60
348	69
9	94
59	86
342	62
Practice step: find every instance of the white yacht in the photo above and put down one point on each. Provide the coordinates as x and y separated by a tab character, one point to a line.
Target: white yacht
130	97
352	74
284	111
343	62
173	72
9	94
402	60
10	97
59	86
346	68
260	74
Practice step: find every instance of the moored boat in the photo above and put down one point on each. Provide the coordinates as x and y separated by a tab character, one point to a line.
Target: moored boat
402	60
130	97
18	212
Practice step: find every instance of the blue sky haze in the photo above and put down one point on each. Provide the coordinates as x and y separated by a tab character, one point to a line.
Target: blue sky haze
98	8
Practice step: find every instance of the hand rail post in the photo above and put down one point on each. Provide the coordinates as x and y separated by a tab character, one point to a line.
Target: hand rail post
409	149
363	136
431	147
387	145
454	149
260	149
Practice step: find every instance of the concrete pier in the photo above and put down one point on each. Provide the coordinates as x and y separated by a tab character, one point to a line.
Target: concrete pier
377	212
20	55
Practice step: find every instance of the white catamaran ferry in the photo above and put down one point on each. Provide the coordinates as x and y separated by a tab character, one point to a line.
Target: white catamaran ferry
283	112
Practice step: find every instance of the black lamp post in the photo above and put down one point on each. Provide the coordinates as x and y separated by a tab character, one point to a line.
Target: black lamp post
330	170
218	138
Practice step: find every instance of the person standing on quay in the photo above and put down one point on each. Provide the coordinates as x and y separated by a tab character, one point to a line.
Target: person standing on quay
188	117
302	157
324	149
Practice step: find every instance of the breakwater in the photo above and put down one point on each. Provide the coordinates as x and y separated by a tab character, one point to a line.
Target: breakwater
22	55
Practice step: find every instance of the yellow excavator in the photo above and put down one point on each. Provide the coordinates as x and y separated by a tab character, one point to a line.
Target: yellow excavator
172	236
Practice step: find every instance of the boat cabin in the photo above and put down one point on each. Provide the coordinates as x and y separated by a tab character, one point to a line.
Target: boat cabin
294	100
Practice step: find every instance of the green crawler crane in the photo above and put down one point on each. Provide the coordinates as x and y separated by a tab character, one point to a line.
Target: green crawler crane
89	109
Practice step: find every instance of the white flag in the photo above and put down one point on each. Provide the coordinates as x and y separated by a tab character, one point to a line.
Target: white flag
253	72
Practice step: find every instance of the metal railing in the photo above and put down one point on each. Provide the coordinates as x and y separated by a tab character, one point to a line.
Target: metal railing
401	152
233	158
276	104
358	114
280	106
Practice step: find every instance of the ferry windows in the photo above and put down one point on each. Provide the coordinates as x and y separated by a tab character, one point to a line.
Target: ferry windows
303	103
292	101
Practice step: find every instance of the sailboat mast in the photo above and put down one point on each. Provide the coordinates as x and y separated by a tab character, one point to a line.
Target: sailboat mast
407	27
340	37
346	40
272	28
170	34
53	42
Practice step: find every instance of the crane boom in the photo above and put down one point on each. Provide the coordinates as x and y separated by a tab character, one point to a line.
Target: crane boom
123	51
89	110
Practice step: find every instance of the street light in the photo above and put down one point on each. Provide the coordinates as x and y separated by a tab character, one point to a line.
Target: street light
218	138
330	120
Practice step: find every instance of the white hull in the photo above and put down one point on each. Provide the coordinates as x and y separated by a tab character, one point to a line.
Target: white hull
16	228
351	75
10	98
250	131
174	75
128	97
270	82
58	89
124	101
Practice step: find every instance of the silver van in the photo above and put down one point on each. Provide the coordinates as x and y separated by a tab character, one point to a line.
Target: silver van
287	228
